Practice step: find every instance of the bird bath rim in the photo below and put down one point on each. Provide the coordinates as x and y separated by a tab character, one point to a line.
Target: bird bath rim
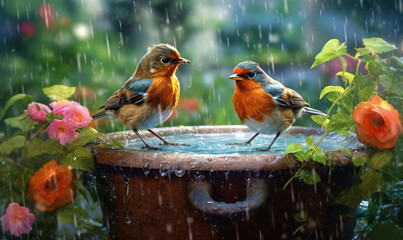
205	162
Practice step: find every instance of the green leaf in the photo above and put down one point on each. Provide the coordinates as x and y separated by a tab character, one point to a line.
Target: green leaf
359	160
319	119
12	144
59	92
350	197
85	136
51	116
332	49
38	147
346	151
371	181
117	144
363	52
385	230
310	177
293	147
378	45
380	159
12	101
309	141
319	156
79	158
346	76
374	67
395	192
367	92
339	121
301	216
328	89
303	155
20	122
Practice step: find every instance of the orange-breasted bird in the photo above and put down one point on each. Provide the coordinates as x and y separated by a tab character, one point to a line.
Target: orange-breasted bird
265	105
150	95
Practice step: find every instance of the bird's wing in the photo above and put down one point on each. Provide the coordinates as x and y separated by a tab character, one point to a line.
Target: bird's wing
285	97
134	91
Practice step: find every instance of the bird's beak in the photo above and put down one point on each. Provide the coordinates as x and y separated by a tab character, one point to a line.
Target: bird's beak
183	60
235	77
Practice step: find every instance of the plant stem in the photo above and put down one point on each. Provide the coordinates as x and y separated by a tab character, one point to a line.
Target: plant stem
39	131
358	67
26	138
320	140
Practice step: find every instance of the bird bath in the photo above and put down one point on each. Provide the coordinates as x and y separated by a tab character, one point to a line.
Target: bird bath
211	190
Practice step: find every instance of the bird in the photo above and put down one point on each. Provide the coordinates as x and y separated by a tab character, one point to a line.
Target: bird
150	95
265	105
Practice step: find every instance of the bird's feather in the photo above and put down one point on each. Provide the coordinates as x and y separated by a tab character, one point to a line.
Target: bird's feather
134	91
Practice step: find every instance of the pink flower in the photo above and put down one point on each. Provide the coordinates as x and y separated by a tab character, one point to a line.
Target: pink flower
74	114
61	131
37	112
17	220
59	106
77	116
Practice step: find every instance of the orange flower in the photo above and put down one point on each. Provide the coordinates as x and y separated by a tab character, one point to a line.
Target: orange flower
53	186
377	123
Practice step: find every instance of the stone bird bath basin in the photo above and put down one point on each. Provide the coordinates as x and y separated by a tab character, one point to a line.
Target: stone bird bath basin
216	191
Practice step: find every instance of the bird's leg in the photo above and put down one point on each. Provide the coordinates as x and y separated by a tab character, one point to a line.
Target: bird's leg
244	143
144	141
164	141
271	144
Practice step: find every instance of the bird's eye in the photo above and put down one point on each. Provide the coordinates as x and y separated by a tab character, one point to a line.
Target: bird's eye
251	74
164	60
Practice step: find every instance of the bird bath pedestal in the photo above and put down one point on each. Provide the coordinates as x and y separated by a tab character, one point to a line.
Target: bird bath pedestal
185	193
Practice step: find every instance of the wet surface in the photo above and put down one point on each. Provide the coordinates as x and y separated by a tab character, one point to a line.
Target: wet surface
218	143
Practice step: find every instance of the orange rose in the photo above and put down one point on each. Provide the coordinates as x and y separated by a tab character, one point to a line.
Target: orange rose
53	186
377	123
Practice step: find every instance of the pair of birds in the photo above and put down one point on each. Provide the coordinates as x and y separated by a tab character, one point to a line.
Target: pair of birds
151	94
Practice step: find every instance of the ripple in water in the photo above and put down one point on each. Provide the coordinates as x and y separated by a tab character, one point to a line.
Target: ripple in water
216	143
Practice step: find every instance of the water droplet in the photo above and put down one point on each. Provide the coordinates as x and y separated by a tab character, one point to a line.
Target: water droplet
179	172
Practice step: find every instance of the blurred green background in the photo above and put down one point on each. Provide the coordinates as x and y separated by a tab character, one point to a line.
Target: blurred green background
95	45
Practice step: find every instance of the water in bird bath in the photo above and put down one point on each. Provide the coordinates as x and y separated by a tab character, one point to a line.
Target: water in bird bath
219	143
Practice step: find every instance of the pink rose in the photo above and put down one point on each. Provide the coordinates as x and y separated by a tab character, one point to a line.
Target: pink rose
77	116
74	114
59	106
37	112
17	220
61	131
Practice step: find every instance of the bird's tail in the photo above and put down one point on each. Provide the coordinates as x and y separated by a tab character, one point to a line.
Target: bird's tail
311	111
101	114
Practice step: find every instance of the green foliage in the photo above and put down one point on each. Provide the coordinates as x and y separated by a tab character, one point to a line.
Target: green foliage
78	158
20	122
38	147
384	211
12	144
12	101
309	177
85	136
59	92
332	49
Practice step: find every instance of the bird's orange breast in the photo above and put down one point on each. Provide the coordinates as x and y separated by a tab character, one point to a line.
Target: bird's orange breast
251	101
164	92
